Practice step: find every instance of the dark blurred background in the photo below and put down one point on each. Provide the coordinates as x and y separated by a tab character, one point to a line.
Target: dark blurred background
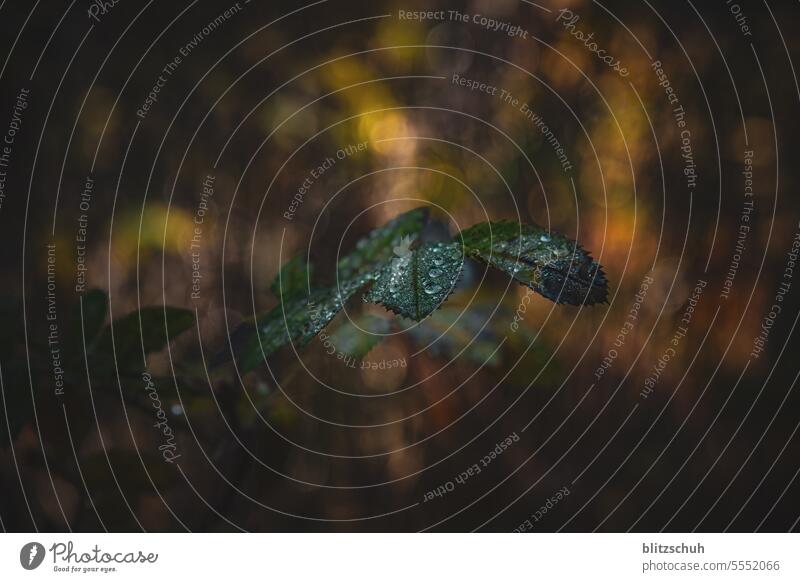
263	94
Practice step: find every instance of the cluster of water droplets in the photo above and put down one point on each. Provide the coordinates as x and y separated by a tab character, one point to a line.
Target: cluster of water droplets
444	266
303	317
528	252
415	285
397	270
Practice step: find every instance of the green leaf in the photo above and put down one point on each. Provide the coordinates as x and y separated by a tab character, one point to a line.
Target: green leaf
357	338
85	317
416	284
551	264
94	307
148	330
413	282
297	320
374	250
293	278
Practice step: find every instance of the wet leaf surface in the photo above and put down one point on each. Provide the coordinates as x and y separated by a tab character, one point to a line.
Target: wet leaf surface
416	284
551	264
